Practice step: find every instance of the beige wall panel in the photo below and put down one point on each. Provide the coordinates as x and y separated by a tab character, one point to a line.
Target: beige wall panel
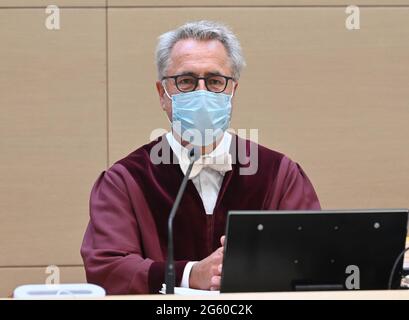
11	278
52	133
45	3
250	3
334	100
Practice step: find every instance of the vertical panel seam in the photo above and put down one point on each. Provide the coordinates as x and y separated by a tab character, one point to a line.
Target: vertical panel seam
107	82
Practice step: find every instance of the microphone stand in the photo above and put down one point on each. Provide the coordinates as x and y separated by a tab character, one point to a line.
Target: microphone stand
194	154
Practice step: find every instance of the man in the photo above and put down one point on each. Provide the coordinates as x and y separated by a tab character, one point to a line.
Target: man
124	248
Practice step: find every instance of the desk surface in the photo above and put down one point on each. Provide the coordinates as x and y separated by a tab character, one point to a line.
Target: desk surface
316	295
312	295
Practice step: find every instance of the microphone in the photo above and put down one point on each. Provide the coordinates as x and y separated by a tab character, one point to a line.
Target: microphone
194	154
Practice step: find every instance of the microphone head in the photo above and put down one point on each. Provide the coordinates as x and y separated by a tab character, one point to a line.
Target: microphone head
194	154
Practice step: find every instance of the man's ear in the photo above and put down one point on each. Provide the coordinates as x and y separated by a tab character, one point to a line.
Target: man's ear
236	85
161	93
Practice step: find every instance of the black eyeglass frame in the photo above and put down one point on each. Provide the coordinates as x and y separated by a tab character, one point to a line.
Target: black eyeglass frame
197	81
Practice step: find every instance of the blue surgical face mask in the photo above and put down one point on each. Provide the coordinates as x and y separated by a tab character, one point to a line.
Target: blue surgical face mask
201	116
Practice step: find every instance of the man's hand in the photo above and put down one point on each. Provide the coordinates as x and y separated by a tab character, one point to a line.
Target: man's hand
206	274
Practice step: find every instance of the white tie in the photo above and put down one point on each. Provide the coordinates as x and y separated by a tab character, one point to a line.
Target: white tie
221	163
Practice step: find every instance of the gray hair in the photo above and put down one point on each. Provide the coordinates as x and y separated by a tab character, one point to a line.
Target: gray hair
200	30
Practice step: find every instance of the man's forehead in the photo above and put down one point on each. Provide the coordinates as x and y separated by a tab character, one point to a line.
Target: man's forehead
193	55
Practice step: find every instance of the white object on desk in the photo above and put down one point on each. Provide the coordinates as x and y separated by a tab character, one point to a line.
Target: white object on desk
190	292
58	291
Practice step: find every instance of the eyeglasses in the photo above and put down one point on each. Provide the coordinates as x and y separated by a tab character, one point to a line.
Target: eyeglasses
188	83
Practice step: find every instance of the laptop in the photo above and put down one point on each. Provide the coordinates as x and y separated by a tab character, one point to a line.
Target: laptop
313	250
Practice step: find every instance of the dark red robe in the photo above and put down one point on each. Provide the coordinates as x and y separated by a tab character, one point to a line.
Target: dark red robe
125	244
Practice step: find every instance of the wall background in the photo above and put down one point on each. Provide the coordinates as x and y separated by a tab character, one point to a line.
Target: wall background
74	101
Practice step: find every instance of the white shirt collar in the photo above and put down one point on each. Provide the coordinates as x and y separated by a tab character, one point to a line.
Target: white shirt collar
181	152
